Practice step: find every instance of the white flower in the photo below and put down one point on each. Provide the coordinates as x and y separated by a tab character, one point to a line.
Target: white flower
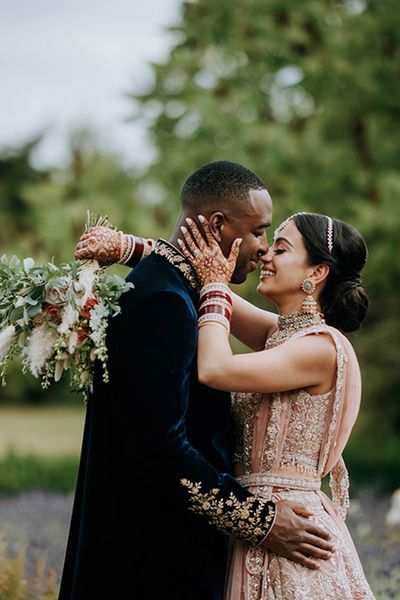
69	319
86	280
97	316
40	347
6	340
62	365
85	376
73	342
58	370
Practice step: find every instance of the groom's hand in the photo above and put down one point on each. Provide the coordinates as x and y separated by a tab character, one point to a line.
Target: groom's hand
295	536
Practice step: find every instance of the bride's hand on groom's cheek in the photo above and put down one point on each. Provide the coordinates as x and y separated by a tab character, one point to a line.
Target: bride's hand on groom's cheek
100	243
296	537
205	254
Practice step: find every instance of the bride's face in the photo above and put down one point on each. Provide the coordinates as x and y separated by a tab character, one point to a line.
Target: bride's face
285	267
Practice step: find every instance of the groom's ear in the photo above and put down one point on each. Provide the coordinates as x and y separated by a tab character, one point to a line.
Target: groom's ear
216	222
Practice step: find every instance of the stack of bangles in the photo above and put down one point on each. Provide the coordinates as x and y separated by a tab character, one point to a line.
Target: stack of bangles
215	305
134	249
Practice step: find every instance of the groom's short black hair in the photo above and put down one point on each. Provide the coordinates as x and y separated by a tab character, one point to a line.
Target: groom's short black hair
220	183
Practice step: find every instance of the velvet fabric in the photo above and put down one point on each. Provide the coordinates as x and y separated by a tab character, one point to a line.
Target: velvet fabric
132	535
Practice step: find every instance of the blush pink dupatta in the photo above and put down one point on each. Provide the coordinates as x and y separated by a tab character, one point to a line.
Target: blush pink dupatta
342	417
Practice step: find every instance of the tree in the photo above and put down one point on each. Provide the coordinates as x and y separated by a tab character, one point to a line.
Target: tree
43	215
306	94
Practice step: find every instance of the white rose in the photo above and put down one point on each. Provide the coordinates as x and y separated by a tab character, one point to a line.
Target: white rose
55	295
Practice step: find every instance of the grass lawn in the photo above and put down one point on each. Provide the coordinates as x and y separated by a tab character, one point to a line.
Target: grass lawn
45	431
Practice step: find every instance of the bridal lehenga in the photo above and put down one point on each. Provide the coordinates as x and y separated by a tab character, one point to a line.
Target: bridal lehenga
286	443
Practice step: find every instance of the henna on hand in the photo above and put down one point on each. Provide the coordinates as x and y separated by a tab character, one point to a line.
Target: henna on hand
101	243
205	255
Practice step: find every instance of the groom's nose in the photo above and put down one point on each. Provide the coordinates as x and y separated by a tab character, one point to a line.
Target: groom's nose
264	247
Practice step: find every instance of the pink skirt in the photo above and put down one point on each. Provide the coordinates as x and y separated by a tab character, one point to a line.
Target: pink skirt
258	575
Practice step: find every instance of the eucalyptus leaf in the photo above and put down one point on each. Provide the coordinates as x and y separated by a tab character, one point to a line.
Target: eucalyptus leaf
28	263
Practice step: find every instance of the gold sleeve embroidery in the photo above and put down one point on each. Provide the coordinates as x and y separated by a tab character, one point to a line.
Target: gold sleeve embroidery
244	519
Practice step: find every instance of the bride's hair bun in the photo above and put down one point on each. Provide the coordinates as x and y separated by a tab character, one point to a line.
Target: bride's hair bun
346	305
344	300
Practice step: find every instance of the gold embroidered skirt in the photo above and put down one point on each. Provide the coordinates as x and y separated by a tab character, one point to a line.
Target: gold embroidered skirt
258	575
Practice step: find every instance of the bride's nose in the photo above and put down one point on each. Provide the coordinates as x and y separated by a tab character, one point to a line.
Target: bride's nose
267	257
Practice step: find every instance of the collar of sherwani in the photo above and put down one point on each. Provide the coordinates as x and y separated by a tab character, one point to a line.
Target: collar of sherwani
179	261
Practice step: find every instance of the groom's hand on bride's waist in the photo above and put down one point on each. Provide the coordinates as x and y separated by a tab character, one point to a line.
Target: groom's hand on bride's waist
296	537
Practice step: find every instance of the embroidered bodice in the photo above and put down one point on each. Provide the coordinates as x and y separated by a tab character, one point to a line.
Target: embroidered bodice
305	428
277	431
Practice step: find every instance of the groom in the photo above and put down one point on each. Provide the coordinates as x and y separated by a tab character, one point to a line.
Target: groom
136	531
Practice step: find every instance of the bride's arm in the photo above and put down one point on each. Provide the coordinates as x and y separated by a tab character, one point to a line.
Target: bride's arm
250	324
301	363
304	362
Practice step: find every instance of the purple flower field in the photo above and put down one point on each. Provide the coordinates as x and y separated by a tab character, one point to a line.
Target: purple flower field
41	520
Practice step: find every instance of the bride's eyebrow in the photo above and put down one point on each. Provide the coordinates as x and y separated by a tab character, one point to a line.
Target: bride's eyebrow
282	239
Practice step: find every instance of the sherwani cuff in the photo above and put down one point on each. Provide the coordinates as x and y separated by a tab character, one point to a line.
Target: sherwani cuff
270	524
249	519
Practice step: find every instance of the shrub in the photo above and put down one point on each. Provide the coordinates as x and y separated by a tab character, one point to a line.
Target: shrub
32	472
16	585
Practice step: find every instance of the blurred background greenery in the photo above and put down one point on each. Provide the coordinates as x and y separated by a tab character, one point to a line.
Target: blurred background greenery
307	95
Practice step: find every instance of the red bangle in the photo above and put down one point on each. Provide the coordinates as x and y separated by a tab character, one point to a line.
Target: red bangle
138	252
215	309
216	294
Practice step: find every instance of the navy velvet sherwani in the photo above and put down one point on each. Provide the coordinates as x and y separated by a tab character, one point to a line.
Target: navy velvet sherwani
154	497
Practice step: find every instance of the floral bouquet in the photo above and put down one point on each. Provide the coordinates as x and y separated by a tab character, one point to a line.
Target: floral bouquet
55	317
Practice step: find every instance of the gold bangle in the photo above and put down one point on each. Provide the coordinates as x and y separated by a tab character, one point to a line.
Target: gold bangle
121	245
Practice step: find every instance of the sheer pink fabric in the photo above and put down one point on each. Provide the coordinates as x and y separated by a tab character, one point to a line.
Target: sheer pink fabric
287	442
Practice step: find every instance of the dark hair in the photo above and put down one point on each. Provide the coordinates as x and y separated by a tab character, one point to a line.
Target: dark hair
221	183
344	300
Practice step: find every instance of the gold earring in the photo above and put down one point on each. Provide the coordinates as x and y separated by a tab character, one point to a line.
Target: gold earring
309	305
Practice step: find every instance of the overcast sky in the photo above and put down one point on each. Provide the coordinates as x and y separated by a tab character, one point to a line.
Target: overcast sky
67	63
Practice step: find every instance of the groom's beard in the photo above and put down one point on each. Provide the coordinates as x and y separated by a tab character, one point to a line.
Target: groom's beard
240	274
244	266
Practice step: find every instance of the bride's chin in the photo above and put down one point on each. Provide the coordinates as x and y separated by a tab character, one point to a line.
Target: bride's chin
262	289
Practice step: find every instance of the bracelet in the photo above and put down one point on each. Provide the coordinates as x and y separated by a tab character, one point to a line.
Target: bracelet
215	310
215	324
217	302
130	244
219	295
214	318
141	248
122	242
137	253
214	287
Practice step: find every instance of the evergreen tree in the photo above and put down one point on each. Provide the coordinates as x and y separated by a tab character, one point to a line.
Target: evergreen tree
307	95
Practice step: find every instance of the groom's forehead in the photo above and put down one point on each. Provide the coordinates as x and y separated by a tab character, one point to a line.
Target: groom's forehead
259	207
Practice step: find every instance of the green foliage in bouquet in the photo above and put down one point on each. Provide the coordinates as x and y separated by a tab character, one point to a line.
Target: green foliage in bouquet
56	317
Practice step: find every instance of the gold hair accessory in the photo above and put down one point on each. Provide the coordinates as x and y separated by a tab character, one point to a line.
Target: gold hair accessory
329	235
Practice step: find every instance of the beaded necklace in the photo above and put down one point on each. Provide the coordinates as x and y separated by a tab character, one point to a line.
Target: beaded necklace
292	323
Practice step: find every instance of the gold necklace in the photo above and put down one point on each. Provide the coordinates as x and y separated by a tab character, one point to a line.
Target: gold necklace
292	323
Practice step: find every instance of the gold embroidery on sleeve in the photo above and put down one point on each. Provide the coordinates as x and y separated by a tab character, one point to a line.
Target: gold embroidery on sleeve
240	518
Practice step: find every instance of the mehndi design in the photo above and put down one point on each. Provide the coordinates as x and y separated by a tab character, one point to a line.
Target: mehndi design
105	244
205	255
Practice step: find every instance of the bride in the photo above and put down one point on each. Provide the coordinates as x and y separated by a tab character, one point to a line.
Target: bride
295	398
